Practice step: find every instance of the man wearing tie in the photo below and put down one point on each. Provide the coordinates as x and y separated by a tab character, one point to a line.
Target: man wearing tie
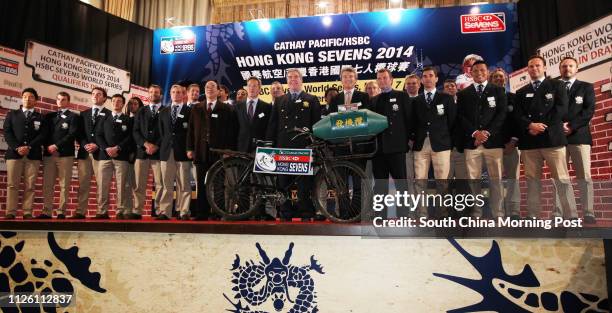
297	109
481	114
539	111
349	94
61	128
434	117
114	137
393	141
23	132
88	148
175	165
276	91
577	129
212	125
147	139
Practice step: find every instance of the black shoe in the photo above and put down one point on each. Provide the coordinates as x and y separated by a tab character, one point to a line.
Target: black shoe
214	218
9	217
590	220
28	217
43	217
133	216
266	217
61	216
184	217
101	216
161	217
120	216
77	216
320	218
306	219
199	218
286	219
515	217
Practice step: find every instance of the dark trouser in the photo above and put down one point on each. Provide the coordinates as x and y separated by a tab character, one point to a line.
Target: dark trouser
202	208
305	208
393	164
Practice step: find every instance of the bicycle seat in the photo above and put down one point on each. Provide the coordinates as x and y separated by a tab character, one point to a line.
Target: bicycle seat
264	143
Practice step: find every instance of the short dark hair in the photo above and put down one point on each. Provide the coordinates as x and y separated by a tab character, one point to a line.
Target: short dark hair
156	86
431	68
537	56
255	79
224	89
568	58
330	89
384	70
450	81
64	94
101	89
30	90
118	96
127	107
211	80
194	85
479	62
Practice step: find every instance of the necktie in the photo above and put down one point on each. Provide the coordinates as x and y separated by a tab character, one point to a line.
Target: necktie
209	110
174	112
568	85
95	114
293	97
480	89
28	114
154	109
536	84
347	97
429	99
250	111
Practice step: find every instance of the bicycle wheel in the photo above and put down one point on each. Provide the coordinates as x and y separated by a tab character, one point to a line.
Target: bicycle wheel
341	192
232	199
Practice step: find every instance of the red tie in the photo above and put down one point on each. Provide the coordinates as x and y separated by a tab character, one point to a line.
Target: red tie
209	110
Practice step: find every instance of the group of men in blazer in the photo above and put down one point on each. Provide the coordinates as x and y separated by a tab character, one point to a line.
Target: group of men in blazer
551	119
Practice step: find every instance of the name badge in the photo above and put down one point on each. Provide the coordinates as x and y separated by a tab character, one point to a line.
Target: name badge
118	121
102	114
64	125
261	115
36	125
392	100
214	115
63	116
180	115
529	95
579	100
298	101
440	108
185	125
549	96
492	103
490	99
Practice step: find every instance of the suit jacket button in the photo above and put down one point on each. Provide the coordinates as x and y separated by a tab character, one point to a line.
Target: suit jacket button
529	115
428	123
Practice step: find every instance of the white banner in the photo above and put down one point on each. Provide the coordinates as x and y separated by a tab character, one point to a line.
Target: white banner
518	79
66	69
590	45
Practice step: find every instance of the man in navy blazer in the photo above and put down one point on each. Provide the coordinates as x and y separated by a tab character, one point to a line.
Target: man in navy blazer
481	114
23	132
61	129
540	111
577	129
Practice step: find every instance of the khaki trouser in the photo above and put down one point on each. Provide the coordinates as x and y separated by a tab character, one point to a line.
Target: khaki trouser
141	168
458	168
175	171
512	199
56	167
130	186
15	170
493	161
441	165
557	163
87	167
581	159
410	171
107	168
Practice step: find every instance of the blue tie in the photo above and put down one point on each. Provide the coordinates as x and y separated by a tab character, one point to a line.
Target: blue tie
429	99
536	84
174	112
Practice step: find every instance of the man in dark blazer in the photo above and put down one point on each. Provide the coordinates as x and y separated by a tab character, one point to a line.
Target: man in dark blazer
434	118
511	157
482	111
23	132
540	110
253	117
212	125
115	141
147	140
577	129
393	141
175	165
296	109
61	129
88	154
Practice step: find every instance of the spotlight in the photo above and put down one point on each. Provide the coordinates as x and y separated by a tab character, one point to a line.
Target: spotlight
326	20
394	15
475	10
264	25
